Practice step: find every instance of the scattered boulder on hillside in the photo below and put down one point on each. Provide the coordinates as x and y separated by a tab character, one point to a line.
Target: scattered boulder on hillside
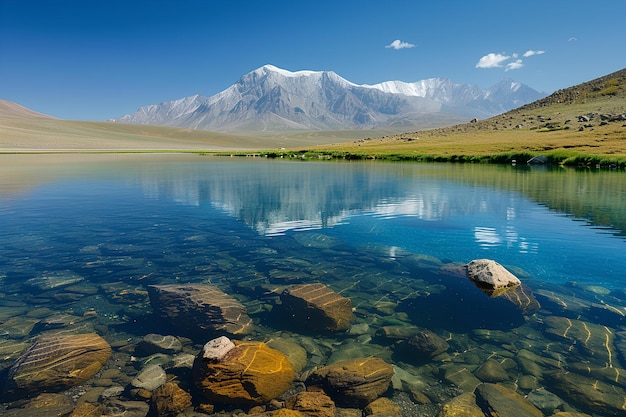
316	307
55	363
199	308
491	277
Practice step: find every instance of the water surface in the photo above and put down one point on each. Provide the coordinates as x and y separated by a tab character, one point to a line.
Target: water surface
392	237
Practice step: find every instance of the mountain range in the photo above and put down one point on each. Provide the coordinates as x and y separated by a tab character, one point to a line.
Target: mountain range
272	99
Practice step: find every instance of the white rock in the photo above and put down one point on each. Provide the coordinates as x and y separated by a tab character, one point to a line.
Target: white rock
214	350
491	277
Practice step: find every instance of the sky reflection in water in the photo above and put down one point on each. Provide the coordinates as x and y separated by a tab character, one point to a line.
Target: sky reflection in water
451	212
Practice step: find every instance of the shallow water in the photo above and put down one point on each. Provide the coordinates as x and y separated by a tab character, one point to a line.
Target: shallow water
391	237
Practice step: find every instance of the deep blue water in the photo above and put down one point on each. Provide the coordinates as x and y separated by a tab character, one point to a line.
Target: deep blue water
390	236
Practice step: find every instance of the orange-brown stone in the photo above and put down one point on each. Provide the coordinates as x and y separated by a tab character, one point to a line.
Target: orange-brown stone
55	363
317	307
250	373
355	382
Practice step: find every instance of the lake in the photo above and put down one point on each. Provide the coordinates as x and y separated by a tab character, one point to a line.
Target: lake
84	236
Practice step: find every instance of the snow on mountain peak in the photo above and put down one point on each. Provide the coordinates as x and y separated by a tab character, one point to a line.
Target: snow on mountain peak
285	73
271	98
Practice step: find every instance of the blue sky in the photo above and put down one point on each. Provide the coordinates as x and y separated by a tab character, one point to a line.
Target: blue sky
94	60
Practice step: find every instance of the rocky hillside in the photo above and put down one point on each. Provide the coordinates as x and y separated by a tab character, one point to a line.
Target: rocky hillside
586	106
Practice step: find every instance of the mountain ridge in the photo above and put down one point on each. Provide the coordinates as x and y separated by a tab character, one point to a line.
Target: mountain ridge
273	99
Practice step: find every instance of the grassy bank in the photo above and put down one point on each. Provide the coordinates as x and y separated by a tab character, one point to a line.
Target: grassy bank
563	144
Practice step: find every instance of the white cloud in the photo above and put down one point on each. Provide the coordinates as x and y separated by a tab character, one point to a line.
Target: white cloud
514	65
531	53
492	60
508	62
398	44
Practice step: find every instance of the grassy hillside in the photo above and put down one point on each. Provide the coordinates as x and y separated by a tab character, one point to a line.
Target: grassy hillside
581	125
19	135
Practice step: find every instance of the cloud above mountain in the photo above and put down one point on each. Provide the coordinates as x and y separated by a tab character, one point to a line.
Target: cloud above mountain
531	53
492	60
398	44
499	60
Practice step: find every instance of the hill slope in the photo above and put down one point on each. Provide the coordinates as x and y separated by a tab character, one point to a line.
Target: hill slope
584	124
10	110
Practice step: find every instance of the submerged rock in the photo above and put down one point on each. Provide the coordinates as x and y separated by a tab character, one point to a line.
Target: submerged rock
156	343
491	277
425	344
43	405
53	279
593	342
523	297
250	373
462	406
292	349
353	383
312	404
169	400
126	408
491	371
55	363
150	378
316	307
589	394
382	407
497	400
198	308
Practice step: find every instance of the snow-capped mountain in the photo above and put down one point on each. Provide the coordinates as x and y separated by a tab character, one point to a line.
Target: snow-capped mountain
274	99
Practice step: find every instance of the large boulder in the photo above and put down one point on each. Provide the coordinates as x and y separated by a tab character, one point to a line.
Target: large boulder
491	277
248	373
355	382
56	363
316	307
200	308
